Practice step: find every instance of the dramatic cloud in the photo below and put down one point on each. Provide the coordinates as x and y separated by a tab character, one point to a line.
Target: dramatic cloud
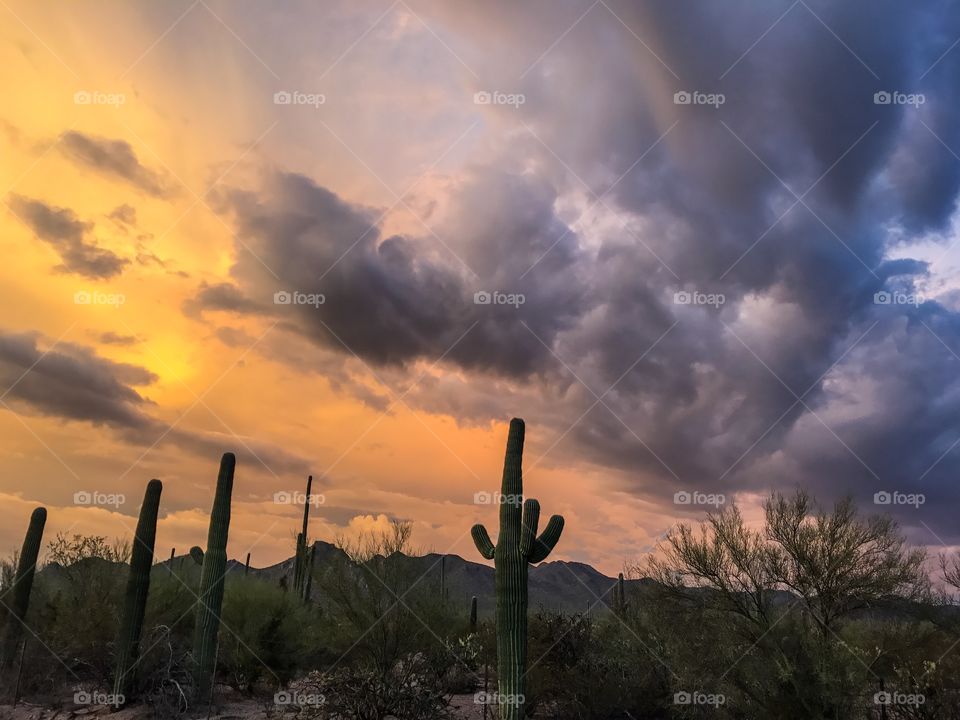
322	266
72	382
606	198
114	158
65	233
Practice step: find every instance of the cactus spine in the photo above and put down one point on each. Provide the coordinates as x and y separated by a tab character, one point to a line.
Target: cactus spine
138	585
211	580
517	546
22	584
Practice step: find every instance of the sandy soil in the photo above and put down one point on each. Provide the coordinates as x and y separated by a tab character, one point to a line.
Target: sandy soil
243	709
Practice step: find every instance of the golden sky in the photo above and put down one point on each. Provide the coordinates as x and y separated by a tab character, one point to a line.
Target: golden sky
190	96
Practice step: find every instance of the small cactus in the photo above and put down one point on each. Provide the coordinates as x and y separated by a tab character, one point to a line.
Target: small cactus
473	614
210	601
18	597
517	546
621	598
138	585
246	567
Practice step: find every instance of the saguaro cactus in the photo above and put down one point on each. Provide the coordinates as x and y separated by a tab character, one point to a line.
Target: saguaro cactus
308	583
138	585
18	598
301	558
517	546
211	579
443	579
473	614
621	599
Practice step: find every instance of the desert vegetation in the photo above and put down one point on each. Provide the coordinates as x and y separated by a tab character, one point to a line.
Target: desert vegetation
817	612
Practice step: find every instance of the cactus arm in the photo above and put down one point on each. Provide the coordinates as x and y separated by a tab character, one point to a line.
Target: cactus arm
481	538
511	488
531	519
547	540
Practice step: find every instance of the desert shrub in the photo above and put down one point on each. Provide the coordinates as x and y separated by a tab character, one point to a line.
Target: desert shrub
378	608
266	634
408	691
74	608
591	667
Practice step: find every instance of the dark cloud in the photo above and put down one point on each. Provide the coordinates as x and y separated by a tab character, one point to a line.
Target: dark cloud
397	299
67	235
715	403
114	158
798	376
72	382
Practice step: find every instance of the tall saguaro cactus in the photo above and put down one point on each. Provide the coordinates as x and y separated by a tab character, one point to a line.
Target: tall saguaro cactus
301	558
211	579
517	546
18	599
138	585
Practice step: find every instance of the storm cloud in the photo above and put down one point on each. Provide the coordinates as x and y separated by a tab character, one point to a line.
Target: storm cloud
717	296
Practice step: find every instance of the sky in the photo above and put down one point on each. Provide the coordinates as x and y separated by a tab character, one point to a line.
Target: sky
706	250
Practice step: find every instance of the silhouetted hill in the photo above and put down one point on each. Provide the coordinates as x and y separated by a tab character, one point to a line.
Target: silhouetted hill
557	585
